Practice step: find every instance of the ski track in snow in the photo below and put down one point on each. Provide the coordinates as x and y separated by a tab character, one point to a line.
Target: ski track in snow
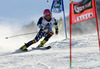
85	55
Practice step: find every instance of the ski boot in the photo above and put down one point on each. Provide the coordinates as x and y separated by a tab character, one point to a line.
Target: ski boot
24	48
42	43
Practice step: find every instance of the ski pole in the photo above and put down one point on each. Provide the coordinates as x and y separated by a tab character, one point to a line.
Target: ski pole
20	35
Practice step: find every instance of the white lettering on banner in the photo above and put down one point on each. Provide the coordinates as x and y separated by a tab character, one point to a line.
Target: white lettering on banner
81	8
82	17
56	10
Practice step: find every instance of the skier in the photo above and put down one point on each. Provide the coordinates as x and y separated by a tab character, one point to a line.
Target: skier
45	24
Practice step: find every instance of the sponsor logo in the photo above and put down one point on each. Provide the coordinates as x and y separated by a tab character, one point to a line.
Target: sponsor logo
57	4
80	8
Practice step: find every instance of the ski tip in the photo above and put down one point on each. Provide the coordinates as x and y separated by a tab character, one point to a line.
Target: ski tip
48	47
42	48
19	51
6	38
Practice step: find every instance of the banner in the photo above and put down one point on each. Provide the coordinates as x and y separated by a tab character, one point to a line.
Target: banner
82	12
57	6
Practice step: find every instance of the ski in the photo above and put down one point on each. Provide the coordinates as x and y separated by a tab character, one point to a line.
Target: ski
42	48
37	48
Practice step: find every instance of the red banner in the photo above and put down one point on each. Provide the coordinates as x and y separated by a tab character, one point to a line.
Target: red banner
82	12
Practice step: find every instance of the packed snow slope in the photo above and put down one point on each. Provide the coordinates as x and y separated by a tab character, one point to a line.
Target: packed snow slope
85	48
85	55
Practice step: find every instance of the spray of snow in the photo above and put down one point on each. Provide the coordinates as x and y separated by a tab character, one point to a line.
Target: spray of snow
7	30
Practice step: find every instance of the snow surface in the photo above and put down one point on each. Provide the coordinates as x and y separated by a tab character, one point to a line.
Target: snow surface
85	54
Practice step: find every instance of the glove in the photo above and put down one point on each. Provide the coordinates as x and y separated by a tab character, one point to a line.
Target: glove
40	26
56	31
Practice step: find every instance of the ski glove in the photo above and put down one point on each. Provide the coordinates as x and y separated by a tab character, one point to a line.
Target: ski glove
56	31
40	26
